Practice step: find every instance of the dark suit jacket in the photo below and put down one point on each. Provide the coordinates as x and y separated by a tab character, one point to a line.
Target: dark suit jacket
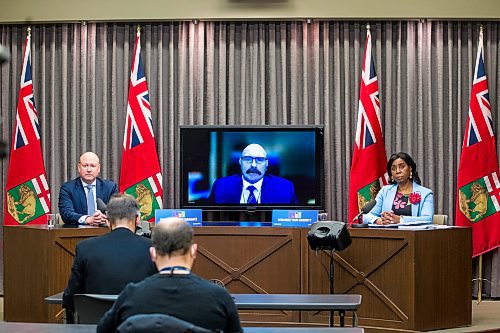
275	190
73	201
106	264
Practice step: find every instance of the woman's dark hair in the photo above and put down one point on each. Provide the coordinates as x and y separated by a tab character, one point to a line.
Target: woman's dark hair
411	163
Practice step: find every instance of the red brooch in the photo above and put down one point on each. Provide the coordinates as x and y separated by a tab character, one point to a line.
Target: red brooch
415	198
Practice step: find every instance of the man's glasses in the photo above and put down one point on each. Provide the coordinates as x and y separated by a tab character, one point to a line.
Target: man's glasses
249	159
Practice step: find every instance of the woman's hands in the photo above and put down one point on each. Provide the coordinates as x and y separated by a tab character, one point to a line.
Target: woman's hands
388	218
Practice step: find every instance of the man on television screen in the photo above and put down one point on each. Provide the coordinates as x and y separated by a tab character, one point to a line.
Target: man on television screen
253	186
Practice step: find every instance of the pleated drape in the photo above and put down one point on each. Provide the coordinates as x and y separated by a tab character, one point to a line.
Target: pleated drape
254	73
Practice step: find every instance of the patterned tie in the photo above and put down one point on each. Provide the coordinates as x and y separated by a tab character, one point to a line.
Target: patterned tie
251	197
90	200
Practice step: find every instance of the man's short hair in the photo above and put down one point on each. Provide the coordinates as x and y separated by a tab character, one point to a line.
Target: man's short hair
122	206
172	237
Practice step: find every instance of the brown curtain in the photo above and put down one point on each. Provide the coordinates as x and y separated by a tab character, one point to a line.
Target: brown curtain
255	73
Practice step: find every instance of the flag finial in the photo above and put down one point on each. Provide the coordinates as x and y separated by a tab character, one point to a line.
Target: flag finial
138	29
29	31
368	27
481	29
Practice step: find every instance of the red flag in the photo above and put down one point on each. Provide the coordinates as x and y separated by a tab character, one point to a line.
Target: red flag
140	174
27	198
478	186
368	167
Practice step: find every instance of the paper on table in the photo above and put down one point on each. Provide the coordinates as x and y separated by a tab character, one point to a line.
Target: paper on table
383	225
404	225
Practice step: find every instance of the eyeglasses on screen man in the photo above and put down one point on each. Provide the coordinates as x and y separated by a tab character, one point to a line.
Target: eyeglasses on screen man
250	159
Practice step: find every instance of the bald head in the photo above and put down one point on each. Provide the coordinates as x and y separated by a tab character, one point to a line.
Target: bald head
89	167
172	236
254	150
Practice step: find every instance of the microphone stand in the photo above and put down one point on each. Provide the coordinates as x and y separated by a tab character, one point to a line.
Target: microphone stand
332	312
359	221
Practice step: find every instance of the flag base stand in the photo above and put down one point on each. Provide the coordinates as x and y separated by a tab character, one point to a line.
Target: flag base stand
480	280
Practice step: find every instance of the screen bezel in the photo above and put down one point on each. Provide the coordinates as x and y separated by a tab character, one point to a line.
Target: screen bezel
318	130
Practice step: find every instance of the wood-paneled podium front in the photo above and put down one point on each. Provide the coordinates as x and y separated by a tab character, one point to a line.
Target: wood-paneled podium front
409	279
417	280
37	264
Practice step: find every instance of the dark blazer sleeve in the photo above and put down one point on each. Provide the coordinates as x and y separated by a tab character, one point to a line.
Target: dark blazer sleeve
277	190
69	203
106	189
75	282
226	190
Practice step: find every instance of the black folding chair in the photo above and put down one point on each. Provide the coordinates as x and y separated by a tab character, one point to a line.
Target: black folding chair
89	308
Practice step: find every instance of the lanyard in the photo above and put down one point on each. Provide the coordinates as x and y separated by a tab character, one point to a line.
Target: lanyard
171	269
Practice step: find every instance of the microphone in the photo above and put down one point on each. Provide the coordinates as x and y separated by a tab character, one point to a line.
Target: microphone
101	205
366	209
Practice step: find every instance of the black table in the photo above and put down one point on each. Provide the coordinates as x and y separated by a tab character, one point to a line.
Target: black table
61	328
45	328
303	329
317	302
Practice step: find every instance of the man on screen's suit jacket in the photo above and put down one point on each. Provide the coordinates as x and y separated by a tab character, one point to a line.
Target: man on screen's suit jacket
106	264
73	200
420	212
274	190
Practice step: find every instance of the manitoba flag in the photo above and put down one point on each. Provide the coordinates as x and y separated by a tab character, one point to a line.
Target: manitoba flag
368	167
27	196
478	185
140	174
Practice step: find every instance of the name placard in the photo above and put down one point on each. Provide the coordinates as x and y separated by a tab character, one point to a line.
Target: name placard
294	218
192	216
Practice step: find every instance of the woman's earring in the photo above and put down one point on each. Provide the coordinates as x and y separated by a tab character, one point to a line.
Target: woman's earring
411	175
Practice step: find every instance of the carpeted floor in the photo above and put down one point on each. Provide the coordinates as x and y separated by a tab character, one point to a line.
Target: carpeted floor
485	319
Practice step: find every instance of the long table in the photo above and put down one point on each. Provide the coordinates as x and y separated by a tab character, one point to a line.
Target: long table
409	279
339	303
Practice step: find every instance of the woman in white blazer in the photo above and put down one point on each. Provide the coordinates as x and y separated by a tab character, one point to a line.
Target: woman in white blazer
404	199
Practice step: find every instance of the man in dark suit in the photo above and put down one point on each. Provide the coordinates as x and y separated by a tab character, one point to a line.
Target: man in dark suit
253	186
106	264
77	197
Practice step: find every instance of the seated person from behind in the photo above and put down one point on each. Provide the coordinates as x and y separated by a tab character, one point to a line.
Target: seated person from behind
77	197
253	186
106	264
404	199
175	291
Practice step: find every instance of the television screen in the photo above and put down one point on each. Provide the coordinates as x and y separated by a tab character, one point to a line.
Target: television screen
252	167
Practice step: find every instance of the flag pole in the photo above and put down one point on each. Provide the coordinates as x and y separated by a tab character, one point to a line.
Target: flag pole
29	31
480	279
138	29
480	259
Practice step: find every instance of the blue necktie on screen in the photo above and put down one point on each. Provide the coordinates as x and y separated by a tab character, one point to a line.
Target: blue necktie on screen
90	200
251	197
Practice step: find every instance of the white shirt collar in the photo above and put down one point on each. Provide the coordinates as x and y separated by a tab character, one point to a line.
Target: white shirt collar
85	184
245	193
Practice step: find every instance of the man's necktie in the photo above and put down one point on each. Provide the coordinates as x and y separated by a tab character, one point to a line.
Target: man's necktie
251	197
90	200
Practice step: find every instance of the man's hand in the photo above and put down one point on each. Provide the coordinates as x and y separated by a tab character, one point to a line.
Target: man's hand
97	219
